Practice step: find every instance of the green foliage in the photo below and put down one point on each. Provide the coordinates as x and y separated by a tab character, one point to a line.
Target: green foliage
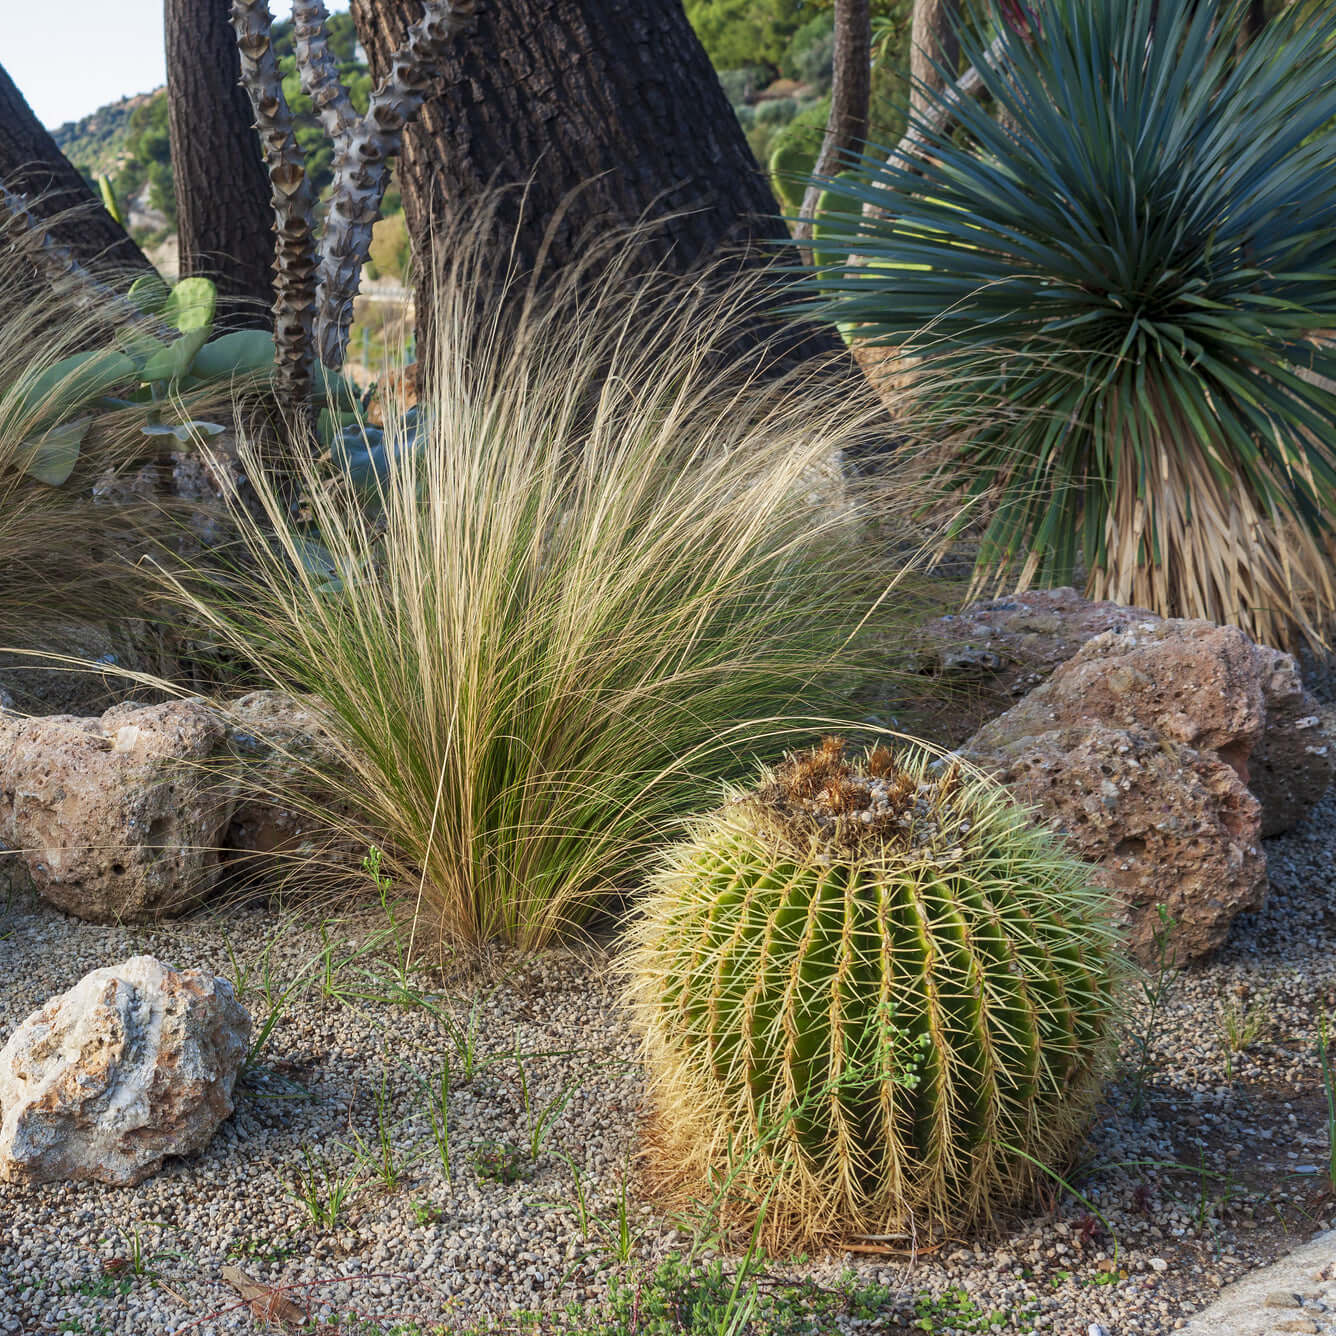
875	998
836	216
161	364
148	157
776	111
810	54
686	1298
955	1311
96	143
793	154
315	145
1129	276
741	84
109	200
391	248
62	552
745	32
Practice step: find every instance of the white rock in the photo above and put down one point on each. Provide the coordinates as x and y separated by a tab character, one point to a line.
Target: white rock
134	1063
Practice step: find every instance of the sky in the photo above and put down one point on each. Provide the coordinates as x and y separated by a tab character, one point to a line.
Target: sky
70	57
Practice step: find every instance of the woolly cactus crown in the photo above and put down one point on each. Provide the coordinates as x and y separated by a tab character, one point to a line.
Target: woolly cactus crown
872	998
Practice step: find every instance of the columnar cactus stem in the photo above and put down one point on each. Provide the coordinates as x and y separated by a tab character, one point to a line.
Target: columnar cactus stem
363	147
318	70
294	249
362	152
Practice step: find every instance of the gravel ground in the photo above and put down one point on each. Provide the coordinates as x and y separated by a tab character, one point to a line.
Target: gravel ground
1224	1168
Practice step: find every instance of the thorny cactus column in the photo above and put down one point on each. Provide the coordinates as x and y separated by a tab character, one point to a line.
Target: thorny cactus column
312	318
363	147
294	243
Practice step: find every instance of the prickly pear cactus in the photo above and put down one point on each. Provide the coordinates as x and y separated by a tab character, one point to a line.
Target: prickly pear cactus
874	999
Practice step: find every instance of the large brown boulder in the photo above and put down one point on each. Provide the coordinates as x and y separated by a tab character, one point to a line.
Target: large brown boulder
1138	750
994	653
119	818
137	813
134	1063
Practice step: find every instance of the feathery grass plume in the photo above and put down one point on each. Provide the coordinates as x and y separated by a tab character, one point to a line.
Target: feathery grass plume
874	999
1135	260
550	626
64	557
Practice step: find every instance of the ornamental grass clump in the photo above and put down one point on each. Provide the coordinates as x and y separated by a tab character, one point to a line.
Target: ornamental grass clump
617	542
65	556
1118	272
875	999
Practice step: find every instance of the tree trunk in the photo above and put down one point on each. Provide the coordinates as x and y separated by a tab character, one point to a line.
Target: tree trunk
224	218
1254	20
616	97
934	46
33	166
850	95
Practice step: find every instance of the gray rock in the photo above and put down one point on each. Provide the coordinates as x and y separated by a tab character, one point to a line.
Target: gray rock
134	1063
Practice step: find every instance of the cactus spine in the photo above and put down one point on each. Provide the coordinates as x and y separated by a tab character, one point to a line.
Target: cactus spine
871	998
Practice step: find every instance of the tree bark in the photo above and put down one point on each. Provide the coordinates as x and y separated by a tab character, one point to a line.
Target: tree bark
616	97
33	166
850	95
224	217
934	44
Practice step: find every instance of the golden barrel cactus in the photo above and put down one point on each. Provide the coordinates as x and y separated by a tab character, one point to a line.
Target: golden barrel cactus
874	998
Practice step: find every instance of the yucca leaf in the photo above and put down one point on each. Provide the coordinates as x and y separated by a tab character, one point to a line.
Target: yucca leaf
1137	189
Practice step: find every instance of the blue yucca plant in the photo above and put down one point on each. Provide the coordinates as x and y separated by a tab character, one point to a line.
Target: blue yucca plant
1118	273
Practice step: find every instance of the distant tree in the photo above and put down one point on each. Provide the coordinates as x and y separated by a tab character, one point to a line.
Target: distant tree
148	157
736	33
224	218
850	95
32	165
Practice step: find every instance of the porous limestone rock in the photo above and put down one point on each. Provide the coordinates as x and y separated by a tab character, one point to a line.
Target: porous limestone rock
1138	750
120	817
138	813
285	809
994	653
134	1063
1001	649
1162	823
1294	762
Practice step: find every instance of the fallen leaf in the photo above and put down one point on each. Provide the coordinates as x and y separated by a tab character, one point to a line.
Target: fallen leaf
265	1302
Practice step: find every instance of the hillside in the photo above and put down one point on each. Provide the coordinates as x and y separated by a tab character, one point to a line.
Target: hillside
129	140
100	142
